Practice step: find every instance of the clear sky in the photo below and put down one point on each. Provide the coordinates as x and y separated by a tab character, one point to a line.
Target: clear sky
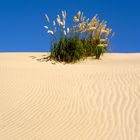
22	22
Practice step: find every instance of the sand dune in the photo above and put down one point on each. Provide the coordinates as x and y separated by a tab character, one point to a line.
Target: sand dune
90	100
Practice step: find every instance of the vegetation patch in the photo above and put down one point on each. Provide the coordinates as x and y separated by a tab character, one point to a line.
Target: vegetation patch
83	39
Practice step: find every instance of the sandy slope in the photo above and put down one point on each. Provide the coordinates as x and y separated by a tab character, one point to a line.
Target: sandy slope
91	100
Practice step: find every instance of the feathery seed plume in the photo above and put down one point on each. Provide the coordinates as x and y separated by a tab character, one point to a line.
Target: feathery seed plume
68	30
78	14
50	32
58	20
54	23
47	17
65	33
46	27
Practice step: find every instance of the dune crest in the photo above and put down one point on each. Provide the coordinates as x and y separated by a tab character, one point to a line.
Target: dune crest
89	100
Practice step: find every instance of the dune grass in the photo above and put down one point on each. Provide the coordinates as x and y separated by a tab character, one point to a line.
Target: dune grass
83	39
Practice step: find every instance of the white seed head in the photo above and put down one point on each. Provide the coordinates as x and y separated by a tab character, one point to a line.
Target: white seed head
50	32
54	23
64	22
64	14
46	27
65	33
47	18
58	20
78	14
68	30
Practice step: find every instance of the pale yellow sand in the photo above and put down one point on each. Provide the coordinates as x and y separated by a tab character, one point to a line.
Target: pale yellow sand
91	100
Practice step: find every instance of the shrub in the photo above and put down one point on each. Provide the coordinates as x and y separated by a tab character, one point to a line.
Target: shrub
85	38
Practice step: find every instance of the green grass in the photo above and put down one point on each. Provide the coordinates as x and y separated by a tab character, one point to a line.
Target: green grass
86	38
72	49
68	50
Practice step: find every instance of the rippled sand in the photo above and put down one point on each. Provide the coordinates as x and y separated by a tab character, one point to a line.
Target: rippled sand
90	100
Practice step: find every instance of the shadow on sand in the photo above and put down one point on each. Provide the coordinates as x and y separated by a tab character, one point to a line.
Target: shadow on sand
42	58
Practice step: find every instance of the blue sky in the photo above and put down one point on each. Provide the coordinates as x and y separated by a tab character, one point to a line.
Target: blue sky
22	22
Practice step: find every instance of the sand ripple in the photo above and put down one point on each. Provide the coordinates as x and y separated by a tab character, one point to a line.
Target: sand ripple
92	100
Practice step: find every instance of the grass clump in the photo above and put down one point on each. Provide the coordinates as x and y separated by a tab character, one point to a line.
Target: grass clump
68	49
85	38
